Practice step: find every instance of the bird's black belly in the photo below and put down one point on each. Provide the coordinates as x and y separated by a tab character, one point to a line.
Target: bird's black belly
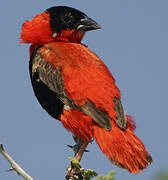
46	97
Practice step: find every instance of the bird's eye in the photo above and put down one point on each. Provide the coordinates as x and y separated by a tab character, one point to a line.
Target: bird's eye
67	18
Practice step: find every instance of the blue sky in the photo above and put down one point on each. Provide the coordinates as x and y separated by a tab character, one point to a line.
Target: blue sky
133	43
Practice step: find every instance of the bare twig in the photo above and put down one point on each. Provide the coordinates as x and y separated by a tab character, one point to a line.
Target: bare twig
14	165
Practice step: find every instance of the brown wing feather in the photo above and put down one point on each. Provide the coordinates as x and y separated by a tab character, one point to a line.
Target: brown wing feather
120	118
53	79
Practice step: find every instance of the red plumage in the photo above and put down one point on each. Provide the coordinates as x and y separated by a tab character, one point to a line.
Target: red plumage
86	78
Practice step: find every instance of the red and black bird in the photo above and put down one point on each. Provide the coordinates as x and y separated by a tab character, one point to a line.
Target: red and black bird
74	86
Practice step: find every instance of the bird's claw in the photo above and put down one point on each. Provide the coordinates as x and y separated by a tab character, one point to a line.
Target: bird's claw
72	147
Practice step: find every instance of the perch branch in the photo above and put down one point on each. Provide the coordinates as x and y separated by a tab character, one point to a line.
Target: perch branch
75	173
14	165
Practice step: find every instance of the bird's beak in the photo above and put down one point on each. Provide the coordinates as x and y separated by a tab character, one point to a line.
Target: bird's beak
88	24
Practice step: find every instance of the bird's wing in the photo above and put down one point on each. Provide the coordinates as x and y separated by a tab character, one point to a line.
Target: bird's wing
80	86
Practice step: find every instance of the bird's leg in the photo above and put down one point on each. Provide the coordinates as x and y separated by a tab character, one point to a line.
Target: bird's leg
78	145
79	149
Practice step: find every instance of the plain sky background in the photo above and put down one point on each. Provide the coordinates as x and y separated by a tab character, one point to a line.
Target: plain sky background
133	42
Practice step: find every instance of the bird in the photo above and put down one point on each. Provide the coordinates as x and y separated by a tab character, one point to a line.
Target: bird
75	86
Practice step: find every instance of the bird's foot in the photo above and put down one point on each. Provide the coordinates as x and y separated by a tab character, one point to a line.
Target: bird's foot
76	148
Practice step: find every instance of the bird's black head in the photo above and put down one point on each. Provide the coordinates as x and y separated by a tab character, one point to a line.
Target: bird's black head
58	23
63	18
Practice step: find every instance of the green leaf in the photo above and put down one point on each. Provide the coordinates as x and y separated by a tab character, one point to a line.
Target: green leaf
162	176
75	163
89	173
108	177
101	177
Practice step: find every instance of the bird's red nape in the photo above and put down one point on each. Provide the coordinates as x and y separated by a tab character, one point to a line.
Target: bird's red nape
38	30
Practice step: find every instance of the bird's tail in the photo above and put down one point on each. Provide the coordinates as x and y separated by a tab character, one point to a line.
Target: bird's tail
123	147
